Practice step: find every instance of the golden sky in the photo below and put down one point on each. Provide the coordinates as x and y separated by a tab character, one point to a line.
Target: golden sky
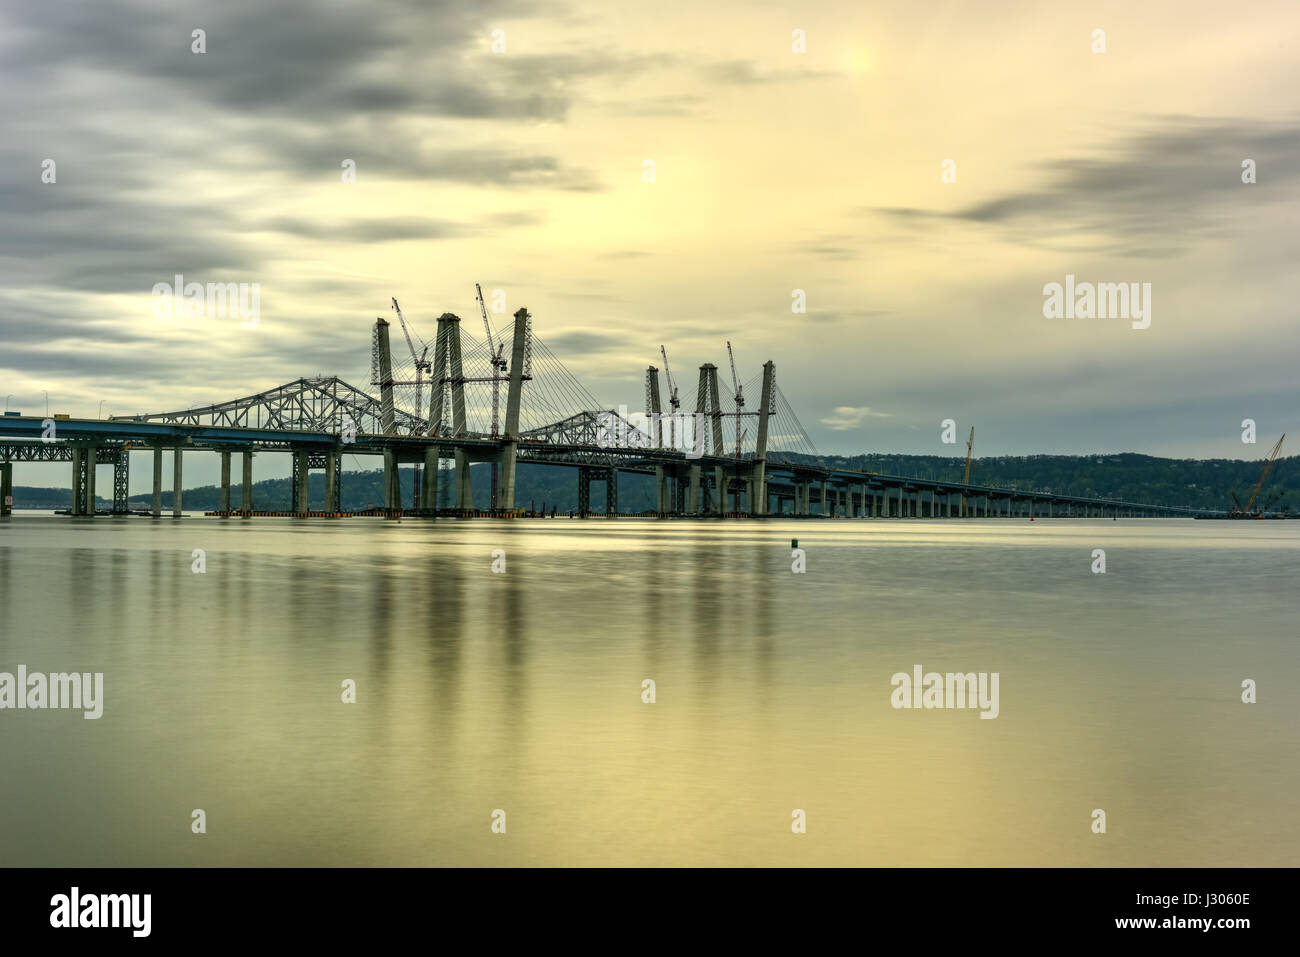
775	171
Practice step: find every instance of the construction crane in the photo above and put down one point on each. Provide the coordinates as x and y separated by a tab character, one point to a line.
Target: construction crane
965	478
422	365
1268	465
740	395
496	359
673	402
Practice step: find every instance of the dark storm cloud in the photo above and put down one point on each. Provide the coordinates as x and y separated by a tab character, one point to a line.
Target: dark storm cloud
1158	190
91	230
298	58
388	229
579	342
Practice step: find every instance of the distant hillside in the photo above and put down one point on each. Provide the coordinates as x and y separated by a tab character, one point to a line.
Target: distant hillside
1137	478
1197	483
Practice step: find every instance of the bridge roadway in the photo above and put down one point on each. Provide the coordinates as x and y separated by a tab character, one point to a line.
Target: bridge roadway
685	486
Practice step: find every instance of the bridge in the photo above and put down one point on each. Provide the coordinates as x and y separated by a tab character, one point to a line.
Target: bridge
550	419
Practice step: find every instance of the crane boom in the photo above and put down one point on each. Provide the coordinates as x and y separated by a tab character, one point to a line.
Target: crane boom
406	332
1267	467
421	364
672	386
482	308
496	360
740	395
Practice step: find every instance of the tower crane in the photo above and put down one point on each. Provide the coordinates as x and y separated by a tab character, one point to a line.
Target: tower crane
496	359
673	402
422	365
740	395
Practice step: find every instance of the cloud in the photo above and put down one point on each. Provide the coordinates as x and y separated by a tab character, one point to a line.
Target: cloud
845	417
578	342
1152	195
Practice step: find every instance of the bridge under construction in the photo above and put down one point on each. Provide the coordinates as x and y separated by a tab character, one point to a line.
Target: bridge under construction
708	461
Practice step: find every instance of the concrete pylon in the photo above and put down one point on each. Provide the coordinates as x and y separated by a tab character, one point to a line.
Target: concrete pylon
457	373
519	353
758	492
6	487
654	406
384	359
708	400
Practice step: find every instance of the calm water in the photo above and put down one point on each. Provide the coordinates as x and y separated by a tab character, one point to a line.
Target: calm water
522	691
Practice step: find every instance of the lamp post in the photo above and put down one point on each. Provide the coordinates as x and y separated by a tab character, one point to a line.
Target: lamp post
47	402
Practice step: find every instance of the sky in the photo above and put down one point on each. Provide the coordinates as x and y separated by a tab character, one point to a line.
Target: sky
677	174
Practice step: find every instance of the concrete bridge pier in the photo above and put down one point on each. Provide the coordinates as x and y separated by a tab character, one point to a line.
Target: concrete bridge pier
661	491
506	487
332	481
156	509
90	453
225	482
429	481
693	495
392	490
246	502
302	476
464	484
78	481
177	470
6	488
